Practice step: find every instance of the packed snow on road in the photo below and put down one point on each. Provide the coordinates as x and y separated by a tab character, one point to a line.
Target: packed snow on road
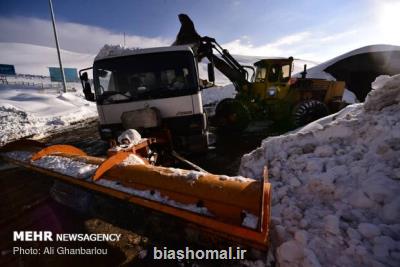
336	185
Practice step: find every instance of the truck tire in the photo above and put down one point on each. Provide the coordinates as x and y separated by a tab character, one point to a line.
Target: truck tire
232	115
308	111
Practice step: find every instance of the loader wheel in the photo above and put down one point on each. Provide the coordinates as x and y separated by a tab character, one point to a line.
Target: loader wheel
232	115
308	111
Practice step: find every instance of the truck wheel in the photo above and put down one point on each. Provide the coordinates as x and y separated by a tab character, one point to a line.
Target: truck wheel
308	111
232	115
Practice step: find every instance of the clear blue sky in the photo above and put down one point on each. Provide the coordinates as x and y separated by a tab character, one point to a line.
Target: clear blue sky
251	25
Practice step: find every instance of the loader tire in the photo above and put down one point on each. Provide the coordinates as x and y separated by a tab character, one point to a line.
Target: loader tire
308	111
232	115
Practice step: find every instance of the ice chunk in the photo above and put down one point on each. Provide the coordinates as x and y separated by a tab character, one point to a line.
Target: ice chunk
386	92
133	159
324	151
368	230
332	224
291	252
391	211
360	200
250	220
301	236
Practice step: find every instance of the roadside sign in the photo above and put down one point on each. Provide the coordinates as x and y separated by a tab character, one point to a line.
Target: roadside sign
6	69
71	74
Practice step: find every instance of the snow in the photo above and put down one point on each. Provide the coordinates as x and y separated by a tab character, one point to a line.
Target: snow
32	112
67	166
110	51
234	178
58	164
318	72
81	170
335	184
190	175
153	195
349	97
250	220
379	99
133	159
24	156
215	94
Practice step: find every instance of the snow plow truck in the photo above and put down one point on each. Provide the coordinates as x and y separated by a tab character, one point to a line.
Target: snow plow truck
149	105
150	108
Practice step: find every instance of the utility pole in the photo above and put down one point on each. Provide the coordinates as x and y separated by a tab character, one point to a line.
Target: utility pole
124	40
58	47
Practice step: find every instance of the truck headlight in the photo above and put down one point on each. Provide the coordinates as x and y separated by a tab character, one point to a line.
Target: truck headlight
272	91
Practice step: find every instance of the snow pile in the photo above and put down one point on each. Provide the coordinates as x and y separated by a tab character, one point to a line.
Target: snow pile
186	174
67	166
58	164
318	72
19	155
29	112
133	159
153	195
239	179
336	185
114	51
215	94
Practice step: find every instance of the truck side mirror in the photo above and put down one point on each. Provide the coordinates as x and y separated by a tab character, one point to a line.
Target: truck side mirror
87	89
211	74
84	77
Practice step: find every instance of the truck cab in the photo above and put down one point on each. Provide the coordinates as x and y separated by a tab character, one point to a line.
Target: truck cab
154	89
272	76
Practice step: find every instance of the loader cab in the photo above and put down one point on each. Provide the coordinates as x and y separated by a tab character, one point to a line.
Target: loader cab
161	79
271	79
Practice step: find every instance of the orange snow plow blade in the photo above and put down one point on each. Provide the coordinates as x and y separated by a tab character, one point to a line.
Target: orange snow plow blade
234	208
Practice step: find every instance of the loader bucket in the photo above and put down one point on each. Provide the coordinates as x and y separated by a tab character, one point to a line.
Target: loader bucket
233	208
187	34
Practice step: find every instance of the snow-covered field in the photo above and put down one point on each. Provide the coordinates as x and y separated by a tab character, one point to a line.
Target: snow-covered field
336	185
31	112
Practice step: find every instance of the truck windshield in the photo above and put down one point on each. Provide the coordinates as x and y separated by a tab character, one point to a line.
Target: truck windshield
279	73
145	76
